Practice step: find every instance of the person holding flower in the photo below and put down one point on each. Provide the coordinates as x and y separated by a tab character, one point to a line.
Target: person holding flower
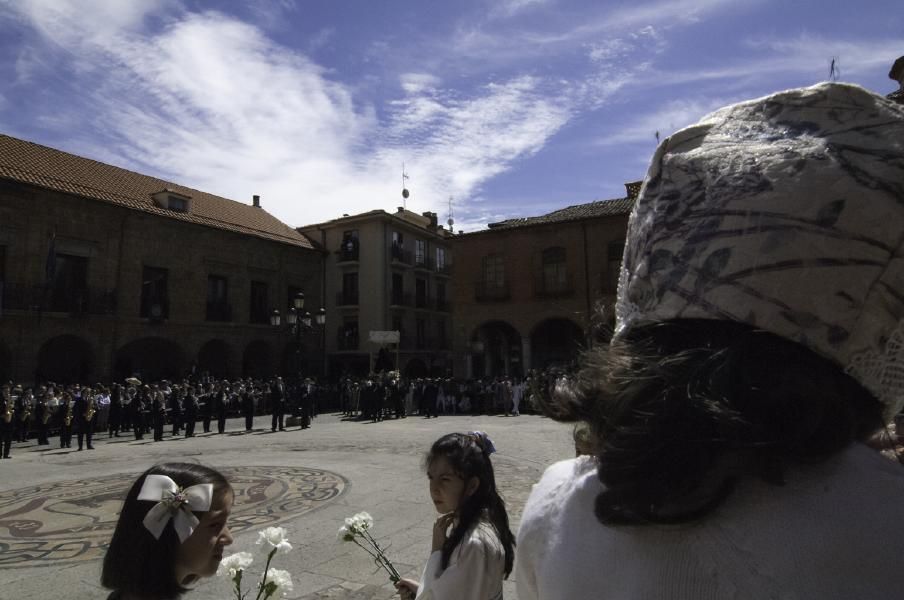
472	549
171	532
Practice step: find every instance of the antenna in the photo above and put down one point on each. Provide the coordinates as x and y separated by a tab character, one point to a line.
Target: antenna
834	71
451	220
405	192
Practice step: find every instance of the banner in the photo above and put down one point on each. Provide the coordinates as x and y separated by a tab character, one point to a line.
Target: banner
384	337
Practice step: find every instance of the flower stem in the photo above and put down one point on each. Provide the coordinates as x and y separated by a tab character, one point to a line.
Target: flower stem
260	586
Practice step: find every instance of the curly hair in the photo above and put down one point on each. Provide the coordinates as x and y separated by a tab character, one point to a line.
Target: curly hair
679	411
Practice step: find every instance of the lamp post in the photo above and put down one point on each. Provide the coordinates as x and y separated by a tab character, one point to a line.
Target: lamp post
298	322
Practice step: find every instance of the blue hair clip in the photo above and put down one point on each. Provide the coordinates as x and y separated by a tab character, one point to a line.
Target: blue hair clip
486	442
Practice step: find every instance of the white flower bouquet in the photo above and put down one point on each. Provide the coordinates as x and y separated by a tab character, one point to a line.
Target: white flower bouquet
273	540
357	530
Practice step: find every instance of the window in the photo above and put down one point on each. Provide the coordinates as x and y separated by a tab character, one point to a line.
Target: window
349	288
348	334
441	333
218	308
154	293
70	283
349	247
420	332
260	303
420	252
614	252
420	293
441	296
554	270
398	246
293	290
177	204
494	271
397	289
440	259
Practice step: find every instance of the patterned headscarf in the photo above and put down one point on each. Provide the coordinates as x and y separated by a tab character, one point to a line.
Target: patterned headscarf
785	213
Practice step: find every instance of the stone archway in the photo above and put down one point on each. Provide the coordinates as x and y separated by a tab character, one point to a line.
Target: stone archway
496	350
257	360
6	363
555	343
416	368
151	359
65	359
213	357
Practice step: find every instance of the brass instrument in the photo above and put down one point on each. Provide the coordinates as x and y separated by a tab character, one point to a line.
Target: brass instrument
8	403
91	410
67	418
26	412
46	417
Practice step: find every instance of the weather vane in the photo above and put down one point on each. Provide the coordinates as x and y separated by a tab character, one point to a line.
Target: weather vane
405	192
451	220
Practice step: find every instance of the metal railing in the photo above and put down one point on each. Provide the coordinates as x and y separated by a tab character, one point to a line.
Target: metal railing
492	291
75	301
346	299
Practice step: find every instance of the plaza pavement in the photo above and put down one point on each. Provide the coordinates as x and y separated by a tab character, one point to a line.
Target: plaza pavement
380	463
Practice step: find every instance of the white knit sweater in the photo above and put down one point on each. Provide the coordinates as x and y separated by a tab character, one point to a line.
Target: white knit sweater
834	531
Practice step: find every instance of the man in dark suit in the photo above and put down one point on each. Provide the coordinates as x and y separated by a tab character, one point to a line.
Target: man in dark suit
278	402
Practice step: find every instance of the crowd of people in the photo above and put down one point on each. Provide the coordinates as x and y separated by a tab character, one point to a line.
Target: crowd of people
138	408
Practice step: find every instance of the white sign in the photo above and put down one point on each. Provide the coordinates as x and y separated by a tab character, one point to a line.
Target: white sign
384	337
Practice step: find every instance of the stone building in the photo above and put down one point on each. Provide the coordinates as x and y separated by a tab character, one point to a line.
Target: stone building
106	273
527	290
386	272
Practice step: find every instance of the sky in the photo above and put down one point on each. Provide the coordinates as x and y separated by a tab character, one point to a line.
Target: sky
503	108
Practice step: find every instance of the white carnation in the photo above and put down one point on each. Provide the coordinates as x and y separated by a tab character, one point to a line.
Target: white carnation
234	563
274	537
345	534
281	579
365	520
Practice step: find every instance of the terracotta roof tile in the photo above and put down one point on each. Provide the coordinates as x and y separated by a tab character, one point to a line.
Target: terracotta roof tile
45	167
591	210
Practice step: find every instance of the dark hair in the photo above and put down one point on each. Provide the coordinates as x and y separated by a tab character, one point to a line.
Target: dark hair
679	411
468	457
138	564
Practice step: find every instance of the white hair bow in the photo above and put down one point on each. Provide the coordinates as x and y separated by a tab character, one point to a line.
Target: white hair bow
174	503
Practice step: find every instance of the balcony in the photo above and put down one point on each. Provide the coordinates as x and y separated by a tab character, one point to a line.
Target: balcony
347	255
431	344
492	291
443	305
399	299
422	263
422	301
347	339
444	270
554	288
219	311
400	256
80	301
346	299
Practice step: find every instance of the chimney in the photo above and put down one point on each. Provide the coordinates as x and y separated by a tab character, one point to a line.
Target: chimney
432	217
256	200
632	189
400	209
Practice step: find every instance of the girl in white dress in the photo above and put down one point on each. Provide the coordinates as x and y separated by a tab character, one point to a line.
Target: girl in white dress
473	547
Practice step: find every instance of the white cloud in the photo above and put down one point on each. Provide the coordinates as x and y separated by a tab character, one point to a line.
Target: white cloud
212	103
665	120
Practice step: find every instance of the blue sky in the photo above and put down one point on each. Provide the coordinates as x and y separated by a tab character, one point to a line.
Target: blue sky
511	107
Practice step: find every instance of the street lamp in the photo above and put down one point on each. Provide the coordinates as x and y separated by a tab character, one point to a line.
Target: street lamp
298	322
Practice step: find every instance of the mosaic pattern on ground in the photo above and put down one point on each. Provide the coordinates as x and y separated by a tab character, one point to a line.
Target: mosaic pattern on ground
72	521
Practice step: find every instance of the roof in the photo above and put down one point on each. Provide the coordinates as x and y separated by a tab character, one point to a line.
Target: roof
31	163
421	222
578	212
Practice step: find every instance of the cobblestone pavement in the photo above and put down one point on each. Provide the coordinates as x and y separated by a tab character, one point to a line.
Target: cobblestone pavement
58	507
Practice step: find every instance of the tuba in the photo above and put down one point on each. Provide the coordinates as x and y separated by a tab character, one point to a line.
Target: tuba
8	412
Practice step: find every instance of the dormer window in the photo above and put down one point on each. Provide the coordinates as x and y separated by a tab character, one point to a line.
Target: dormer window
173	201
178	204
